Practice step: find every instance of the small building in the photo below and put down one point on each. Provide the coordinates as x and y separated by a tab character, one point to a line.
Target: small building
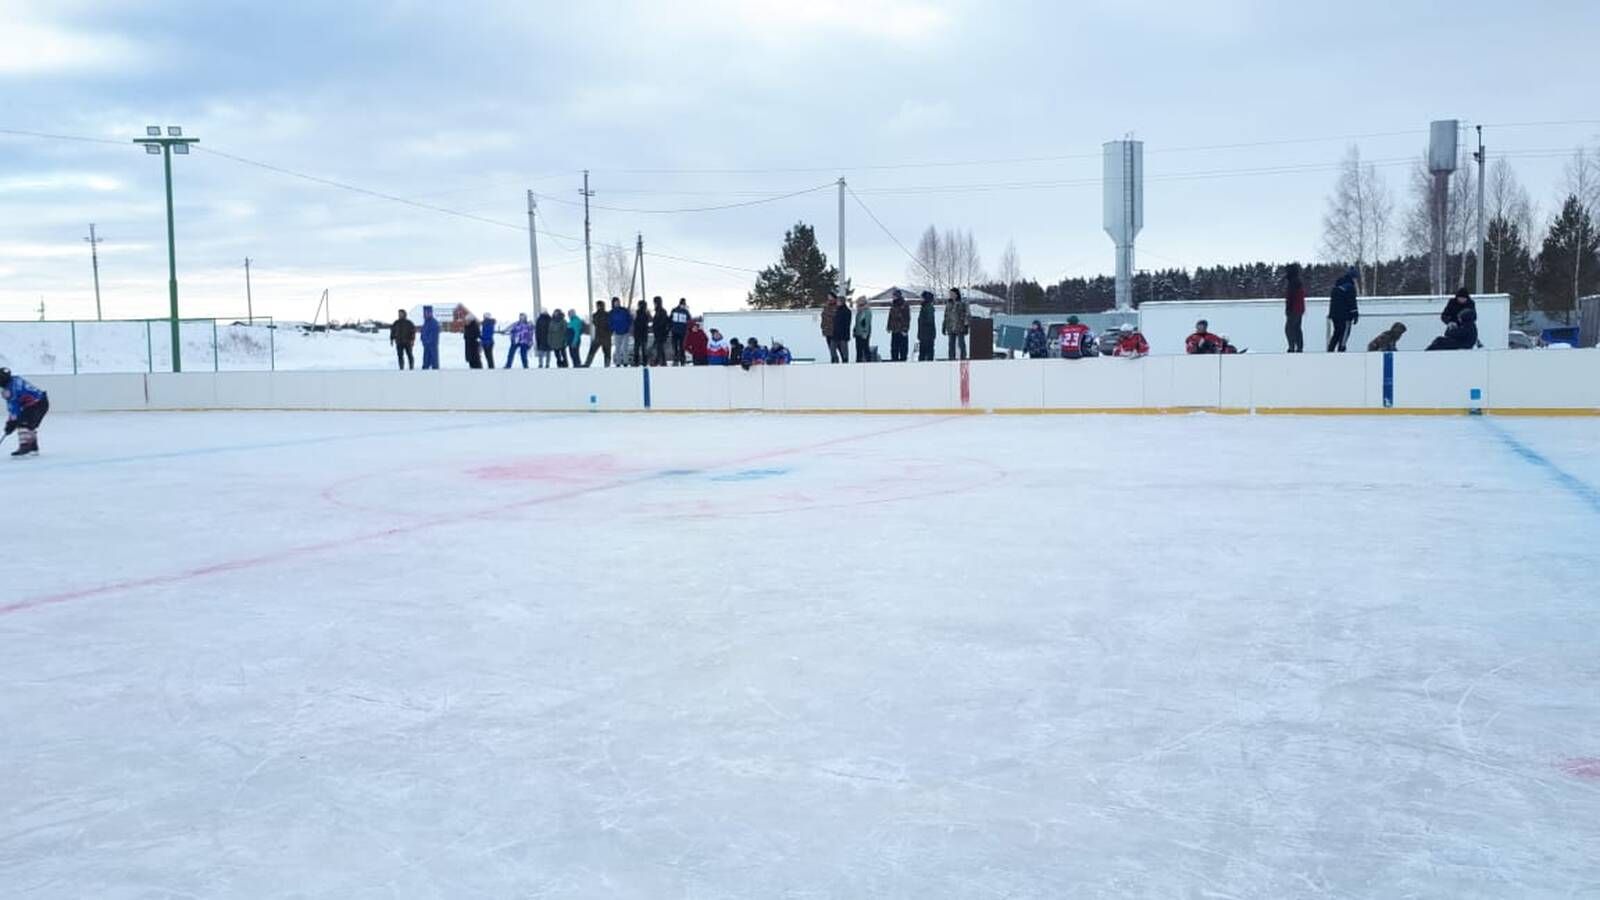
452	317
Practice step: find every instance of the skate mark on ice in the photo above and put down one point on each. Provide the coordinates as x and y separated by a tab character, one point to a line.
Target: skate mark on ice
1461	731
750	475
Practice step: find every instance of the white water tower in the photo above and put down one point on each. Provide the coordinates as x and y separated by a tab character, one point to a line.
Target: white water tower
1123	183
1442	164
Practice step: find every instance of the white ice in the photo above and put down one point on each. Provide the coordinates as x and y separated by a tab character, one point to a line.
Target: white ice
371	655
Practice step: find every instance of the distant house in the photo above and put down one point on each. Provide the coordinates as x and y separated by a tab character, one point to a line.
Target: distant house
981	302
453	318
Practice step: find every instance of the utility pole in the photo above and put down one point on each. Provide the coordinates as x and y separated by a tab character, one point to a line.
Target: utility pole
588	263
533	253
639	263
1483	162
843	279
94	256
41	309
249	303
174	142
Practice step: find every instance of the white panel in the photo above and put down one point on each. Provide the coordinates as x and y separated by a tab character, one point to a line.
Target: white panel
1440	380
1010	384
1102	382
1295	381
690	388
828	387
187	390
301	390
745	388
775	387
1196	382
911	385
1544	379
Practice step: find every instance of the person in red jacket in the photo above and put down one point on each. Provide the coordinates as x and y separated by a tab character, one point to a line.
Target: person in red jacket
1074	337
1294	308
1203	341
695	342
1131	343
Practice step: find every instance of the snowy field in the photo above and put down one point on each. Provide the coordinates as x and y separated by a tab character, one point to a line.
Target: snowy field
651	656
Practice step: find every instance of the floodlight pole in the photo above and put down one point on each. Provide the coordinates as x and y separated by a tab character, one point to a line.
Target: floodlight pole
166	144
843	278
1483	162
533	253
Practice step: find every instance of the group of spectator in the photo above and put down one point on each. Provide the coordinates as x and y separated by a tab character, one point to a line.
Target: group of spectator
1078	340
840	326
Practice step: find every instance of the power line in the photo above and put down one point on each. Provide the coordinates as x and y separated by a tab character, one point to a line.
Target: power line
61	137
881	227
691	209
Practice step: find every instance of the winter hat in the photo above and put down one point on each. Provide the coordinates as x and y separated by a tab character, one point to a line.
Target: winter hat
5	378
927	295
1072	320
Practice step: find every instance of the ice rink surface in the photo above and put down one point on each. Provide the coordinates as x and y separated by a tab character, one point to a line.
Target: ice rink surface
662	656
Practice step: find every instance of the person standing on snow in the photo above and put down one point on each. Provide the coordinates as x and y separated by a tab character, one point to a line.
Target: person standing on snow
488	327
574	337
863	331
925	328
521	338
1342	310
899	328
556	334
1294	308
641	335
660	333
957	322
1035	345
600	339
472	339
620	321
541	339
430	339
26	406
826	325
695	342
842	323
403	335
680	329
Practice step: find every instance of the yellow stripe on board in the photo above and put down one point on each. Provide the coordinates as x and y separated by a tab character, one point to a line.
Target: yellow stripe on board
1549	412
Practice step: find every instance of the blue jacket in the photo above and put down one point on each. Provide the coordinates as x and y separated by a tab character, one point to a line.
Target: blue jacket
574	329
488	331
21	394
430	331
1342	302
621	320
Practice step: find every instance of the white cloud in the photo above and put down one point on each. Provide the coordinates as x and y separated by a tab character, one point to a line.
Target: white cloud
29	46
56	181
899	21
917	117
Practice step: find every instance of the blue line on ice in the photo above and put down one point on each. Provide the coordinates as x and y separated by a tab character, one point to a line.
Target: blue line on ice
1576	486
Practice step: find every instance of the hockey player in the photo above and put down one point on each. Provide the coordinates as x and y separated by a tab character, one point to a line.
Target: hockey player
1132	344
1074	336
26	406
1203	340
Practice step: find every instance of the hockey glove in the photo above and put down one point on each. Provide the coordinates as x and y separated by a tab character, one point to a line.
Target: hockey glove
11	425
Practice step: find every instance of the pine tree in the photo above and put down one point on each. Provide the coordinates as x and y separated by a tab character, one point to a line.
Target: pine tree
801	278
1569	262
1508	266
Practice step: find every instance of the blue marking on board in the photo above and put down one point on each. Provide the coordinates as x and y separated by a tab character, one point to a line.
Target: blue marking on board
1388	380
646	371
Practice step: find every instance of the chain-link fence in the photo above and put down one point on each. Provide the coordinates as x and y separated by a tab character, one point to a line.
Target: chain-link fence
138	345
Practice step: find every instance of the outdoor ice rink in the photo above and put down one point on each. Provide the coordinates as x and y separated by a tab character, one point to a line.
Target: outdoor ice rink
705	656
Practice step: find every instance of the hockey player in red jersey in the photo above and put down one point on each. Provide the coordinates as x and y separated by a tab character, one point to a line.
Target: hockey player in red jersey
1074	338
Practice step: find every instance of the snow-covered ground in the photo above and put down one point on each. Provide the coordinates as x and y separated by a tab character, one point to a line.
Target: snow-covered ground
361	655
46	348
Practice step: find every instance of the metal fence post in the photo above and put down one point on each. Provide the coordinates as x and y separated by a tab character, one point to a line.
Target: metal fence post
216	361
74	324
272	346
149	348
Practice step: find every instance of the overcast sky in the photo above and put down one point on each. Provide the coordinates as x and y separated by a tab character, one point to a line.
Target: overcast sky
697	103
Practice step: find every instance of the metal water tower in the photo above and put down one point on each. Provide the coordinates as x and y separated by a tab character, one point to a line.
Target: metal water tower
1442	161
1123	183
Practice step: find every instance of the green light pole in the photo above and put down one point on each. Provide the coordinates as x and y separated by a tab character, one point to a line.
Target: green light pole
173	142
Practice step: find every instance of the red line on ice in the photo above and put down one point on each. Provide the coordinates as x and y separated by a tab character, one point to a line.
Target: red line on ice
250	562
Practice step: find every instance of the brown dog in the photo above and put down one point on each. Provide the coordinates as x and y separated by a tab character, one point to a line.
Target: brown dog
1389	340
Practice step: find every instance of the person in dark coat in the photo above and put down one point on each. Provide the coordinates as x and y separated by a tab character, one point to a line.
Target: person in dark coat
403	335
957	323
541	340
1034	346
735	351
559	336
641	334
430	339
825	323
680	329
1294	308
1463	335
1452	310
487	327
661	334
696	343
899	328
1342	310
842	326
472	338
600	336
925	328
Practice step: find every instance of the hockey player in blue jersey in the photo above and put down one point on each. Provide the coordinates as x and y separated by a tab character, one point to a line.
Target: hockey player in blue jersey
25	409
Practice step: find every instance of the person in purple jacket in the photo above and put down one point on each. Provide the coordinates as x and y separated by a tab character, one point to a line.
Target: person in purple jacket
521	340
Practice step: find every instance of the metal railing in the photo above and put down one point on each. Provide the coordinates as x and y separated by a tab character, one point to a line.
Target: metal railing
77	346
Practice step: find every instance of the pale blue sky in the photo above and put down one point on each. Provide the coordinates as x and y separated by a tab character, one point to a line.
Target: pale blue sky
465	105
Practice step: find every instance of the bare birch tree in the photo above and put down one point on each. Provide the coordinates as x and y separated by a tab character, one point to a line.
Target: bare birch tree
616	270
1010	271
929	266
1357	226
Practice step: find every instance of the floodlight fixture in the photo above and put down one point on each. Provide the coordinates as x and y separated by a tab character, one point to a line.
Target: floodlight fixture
152	149
180	148
174	131
152	130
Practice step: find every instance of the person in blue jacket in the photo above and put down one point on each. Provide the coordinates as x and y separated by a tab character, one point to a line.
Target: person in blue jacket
621	322
1342	310
430	339
488	339
26	406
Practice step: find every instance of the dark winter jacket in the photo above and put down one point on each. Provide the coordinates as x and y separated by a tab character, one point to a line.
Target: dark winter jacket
680	320
1452	310
1463	335
661	323
601	322
1294	302
735	352
841	322
472	333
620	320
899	316
541	332
641	325
1034	344
556	333
957	317
1342	302
925	317
403	333
827	317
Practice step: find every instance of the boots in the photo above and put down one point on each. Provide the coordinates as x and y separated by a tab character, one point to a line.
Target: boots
27	442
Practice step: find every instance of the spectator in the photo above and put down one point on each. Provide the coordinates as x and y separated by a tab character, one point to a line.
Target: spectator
925	317
1463	335
541	337
574	337
472	337
828	309
717	350
752	355
1033	346
778	354
621	324
430	339
1343	311
1452	310
680	329
1294	308
557	337
1203	341
1074	338
660	333
520	339
1131	345
403	335
26	406
863	331
843	323
488	327
695	342
957	322
600	329
1389	340
899	328
641	334
735	351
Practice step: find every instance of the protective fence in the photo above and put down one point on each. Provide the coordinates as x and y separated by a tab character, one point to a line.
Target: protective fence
138	345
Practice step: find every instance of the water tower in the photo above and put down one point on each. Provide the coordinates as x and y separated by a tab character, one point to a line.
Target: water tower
1123	183
1442	164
